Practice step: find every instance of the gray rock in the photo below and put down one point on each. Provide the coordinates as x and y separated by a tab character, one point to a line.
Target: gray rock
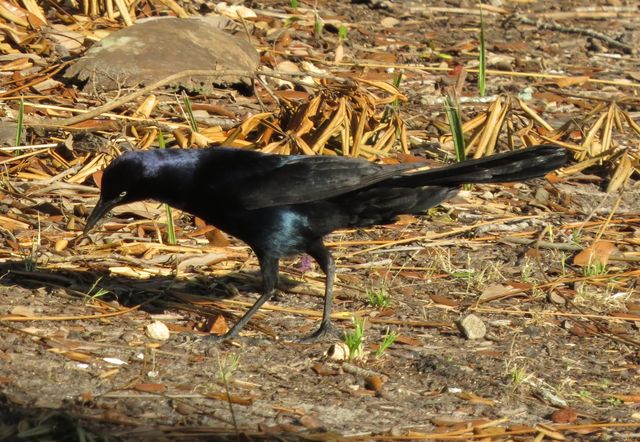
472	327
542	195
152	50
8	131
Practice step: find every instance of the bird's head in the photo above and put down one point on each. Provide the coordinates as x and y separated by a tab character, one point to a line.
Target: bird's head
122	183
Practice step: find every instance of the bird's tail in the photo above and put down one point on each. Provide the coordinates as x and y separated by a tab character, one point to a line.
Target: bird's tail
517	165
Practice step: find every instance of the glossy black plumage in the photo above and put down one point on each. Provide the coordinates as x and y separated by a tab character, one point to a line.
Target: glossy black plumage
284	205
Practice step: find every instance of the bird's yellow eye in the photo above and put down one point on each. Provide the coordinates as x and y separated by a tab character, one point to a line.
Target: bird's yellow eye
123	194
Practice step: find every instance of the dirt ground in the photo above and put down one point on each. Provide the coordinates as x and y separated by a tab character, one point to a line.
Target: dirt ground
559	357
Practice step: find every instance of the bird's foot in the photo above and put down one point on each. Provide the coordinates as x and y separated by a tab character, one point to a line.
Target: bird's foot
209	345
215	339
278	295
326	332
198	344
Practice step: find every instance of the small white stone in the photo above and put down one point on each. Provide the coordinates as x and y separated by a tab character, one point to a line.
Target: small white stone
472	327
114	361
158	330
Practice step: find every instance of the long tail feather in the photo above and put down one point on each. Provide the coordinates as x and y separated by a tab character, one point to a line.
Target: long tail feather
518	165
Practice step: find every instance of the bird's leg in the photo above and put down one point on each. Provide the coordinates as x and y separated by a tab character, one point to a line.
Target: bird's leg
269	270
319	252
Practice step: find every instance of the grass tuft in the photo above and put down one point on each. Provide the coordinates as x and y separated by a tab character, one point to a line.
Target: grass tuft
379	298
452	105
189	110
343	33
482	68
389	338
355	339
95	292
171	230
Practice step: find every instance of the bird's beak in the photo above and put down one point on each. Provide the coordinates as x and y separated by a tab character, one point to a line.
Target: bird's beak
100	210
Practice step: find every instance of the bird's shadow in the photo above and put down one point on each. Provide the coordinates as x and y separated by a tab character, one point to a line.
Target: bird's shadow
154	295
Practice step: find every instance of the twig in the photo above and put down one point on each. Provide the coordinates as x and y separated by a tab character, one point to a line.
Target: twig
543	244
573	30
145	90
168	80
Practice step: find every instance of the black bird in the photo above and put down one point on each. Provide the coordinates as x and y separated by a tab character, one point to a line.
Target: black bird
283	205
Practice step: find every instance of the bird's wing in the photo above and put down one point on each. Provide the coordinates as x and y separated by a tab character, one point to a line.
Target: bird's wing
302	179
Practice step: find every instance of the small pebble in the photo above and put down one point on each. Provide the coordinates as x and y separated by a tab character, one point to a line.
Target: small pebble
542	195
158	330
472	327
61	244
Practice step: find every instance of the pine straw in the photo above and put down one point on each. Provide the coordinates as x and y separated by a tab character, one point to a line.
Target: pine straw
339	115
353	117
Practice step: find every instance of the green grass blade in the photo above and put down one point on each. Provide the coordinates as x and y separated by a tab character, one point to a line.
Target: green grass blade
187	105
343	33
354	339
389	338
161	141
318	26
171	231
482	69
397	79
454	115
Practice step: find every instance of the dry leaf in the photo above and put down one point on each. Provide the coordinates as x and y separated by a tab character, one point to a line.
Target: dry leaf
147	106
497	291
218	325
323	370
374	383
216	238
73	355
628	398
13	13
564	416
475	399
201	261
60	245
406	340
443	300
622	173
598	253
570	81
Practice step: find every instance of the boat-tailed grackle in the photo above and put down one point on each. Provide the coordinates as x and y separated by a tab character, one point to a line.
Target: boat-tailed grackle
283	205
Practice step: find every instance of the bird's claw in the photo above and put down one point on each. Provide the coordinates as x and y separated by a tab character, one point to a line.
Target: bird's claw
326	332
214	339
